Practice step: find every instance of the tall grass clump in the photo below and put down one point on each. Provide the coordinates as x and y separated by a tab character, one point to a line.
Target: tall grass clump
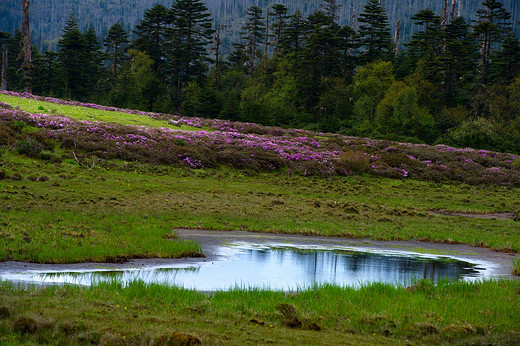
516	267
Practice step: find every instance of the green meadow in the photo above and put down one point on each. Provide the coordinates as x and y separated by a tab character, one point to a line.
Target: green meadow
56	210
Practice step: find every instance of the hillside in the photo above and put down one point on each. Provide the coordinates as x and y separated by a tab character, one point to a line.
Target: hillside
216	143
48	17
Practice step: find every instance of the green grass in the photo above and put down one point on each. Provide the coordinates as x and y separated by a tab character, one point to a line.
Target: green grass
89	114
470	313
516	267
117	209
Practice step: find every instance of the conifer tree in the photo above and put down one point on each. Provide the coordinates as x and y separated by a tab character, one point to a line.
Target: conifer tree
457	66
331	9
192	34
73	59
254	34
323	45
426	42
279	13
115	46
94	59
374	32
293	38
491	27
152	34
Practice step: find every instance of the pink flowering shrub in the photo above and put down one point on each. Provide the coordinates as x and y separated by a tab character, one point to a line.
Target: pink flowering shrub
261	148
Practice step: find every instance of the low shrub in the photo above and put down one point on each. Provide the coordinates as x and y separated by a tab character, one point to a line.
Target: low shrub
355	161
7	135
17	126
30	147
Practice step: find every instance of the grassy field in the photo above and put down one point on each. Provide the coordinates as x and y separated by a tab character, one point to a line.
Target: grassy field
68	213
55	210
448	313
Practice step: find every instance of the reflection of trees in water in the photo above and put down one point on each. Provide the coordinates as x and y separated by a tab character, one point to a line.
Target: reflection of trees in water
334	265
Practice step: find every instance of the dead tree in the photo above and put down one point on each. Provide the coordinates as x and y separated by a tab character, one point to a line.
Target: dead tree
396	37
3	74
26	32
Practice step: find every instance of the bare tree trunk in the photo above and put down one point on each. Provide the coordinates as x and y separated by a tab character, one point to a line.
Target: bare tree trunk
26	32
3	77
445	17
452	14
217	53
396	37
266	35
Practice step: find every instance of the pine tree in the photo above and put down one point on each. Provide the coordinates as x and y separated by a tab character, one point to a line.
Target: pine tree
374	31
279	13
426	42
457	66
491	27
115	43
322	52
254	34
192	34
506	63
348	43
331	9
72	60
152	34
94	59
293	38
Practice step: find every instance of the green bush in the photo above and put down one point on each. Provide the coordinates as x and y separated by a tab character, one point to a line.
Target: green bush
30	147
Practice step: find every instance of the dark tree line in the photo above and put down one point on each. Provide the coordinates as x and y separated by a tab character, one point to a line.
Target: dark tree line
455	81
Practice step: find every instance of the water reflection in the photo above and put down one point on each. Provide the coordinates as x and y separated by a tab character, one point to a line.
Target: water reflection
275	268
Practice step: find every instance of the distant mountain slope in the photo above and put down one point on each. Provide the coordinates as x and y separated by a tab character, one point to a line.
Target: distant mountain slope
49	16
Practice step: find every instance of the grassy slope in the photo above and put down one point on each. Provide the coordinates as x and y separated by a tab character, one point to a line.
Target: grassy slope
127	209
89	114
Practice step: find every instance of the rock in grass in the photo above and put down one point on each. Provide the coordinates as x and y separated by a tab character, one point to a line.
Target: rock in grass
177	339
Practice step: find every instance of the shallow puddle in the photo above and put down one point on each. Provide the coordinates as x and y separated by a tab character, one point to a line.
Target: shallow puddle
278	268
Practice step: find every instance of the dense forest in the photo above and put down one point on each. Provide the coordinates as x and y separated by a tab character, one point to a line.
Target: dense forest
49	16
455	81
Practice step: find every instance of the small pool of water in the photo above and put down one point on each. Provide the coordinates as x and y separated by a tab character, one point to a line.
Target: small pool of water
277	268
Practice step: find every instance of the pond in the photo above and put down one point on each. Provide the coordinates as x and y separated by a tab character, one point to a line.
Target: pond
271	267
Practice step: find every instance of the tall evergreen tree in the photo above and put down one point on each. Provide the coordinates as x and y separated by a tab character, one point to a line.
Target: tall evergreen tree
94	59
331	8
426	42
293	39
506	62
254	34
323	45
279	13
374	32
115	46
72	59
457	67
192	34
491	27
152	34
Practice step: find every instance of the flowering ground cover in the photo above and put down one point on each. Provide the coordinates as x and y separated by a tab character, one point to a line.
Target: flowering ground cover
260	148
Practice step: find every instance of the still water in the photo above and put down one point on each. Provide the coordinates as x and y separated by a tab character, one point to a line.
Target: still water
277	268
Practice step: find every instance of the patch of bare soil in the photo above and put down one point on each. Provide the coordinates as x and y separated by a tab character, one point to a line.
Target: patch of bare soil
490	216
